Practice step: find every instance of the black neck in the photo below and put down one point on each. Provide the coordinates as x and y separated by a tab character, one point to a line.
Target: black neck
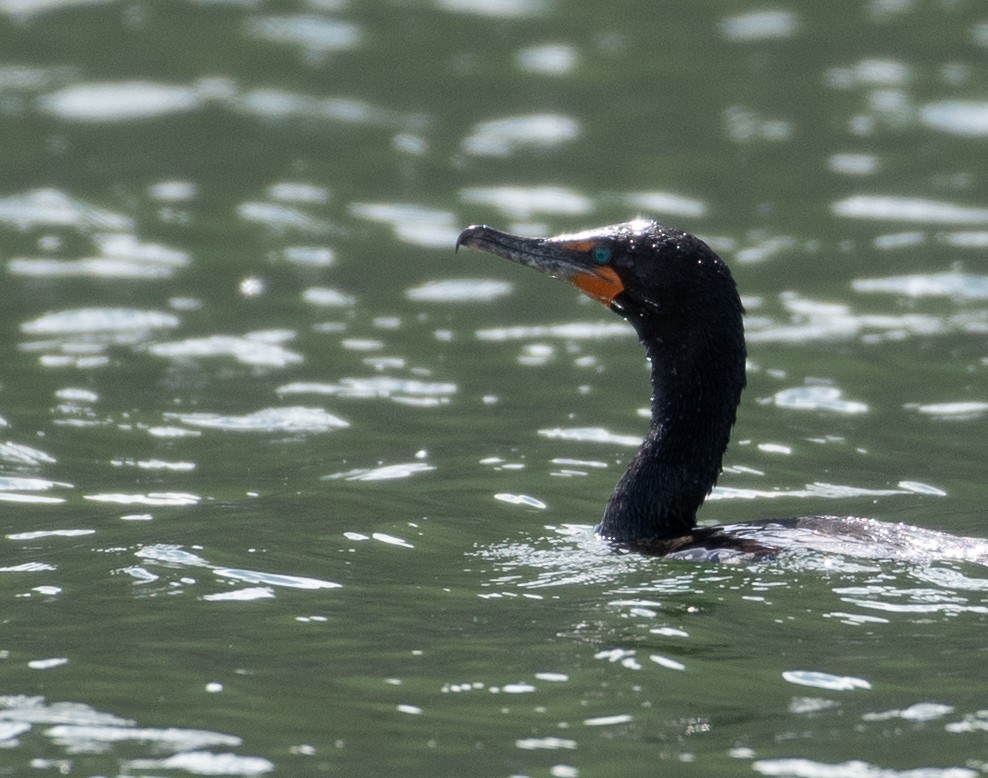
696	387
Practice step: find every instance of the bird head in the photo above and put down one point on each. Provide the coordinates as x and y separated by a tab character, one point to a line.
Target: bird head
665	282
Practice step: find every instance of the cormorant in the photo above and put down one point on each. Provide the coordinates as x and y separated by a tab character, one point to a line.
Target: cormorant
682	300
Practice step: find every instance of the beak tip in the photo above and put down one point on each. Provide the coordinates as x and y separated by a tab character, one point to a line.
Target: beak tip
463	239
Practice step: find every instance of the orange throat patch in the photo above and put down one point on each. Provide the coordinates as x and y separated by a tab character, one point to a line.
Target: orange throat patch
603	285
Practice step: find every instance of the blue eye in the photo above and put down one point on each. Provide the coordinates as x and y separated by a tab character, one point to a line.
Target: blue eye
601	254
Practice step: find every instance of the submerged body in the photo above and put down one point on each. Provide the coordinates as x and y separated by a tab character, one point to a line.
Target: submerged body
849	536
682	301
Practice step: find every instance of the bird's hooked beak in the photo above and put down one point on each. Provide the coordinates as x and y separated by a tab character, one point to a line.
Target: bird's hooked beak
569	257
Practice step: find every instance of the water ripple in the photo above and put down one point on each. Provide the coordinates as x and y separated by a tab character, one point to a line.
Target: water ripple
249	594
813	491
503	137
412	223
23	10
309	256
298	192
960	286
99	320
34	710
669	203
374	387
94	267
173	191
19	454
520	499
838	683
274	579
327	297
316	35
291	419
744	125
574	331
123	256
760	26
815	320
908	209
460	290
11	488
80	729
176	556
554	59
280	217
957	117
205	763
961	411
895	599
971	722
120	101
382	473
815	398
807	768
869	72
52	533
54	208
525	201
590	435
280	104
499	9
260	349
545	744
29	567
151	498
70	735
853	164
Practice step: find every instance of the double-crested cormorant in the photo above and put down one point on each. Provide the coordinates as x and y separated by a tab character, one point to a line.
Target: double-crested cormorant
682	301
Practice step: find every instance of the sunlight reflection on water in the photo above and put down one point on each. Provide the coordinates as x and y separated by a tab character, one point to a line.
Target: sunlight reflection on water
173	556
121	101
498	8
816	320
522	202
571	553
170	285
259	348
54	208
99	320
290	419
279	216
460	290
957	117
550	59
415	224
315	34
760	25
891	208
960	286
372	387
816	398
807	768
80	729
503	137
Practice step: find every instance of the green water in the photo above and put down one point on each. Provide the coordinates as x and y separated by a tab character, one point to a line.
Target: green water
290	488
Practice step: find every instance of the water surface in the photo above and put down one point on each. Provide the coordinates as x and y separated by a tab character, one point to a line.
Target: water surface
290	488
